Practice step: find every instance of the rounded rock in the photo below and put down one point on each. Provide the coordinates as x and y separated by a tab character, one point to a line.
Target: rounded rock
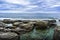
8	36
7	21
41	25
28	26
17	23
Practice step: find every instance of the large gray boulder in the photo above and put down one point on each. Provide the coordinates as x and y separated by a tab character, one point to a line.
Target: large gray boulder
17	23
8	36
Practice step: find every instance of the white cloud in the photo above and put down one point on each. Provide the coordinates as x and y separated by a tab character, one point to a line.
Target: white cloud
21	2
52	3
28	5
55	6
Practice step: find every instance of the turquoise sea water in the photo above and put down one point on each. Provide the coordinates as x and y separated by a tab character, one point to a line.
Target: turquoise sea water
38	34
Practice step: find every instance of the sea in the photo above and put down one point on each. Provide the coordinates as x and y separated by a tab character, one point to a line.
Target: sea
30	15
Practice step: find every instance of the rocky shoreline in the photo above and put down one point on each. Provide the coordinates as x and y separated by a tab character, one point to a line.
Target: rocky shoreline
21	27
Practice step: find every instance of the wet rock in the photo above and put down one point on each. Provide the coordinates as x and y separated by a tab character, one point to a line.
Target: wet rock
7	30
8	36
25	21
41	25
10	26
52	23
2	24
1	20
1	29
17	20
57	33
32	23
27	26
19	30
7	21
17	23
59	20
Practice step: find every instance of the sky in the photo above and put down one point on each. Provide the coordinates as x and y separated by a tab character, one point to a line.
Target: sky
29	6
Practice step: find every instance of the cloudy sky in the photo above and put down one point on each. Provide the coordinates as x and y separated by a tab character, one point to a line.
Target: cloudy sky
29	6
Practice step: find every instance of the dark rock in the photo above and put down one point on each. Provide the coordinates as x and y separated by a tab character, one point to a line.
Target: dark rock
59	20
17	20
57	33
25	21
41	25
52	23
7	21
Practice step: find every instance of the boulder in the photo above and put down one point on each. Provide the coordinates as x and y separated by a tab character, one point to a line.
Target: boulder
17	20
52	23
17	23
2	24
25	21
1	29
8	36
27	27
57	33
7	21
41	25
18	30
